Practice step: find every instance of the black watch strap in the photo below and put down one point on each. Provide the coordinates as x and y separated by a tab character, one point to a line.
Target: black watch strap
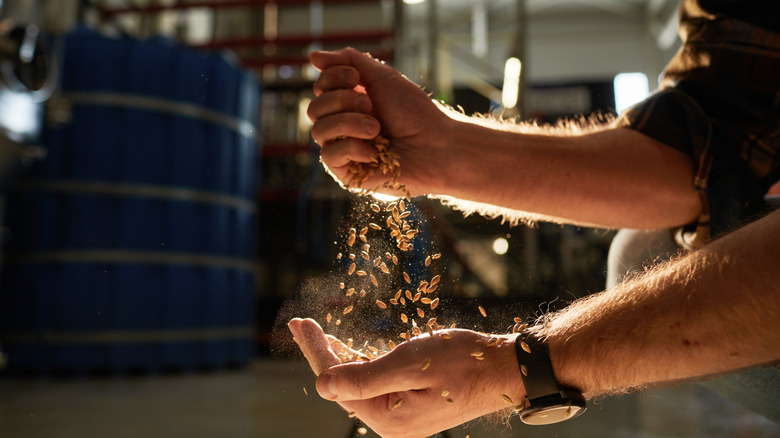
534	360
546	401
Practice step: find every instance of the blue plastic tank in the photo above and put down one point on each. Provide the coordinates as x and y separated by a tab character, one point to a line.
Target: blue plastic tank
132	245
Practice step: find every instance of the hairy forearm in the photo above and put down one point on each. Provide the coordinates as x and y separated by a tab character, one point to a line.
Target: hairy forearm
712	311
613	178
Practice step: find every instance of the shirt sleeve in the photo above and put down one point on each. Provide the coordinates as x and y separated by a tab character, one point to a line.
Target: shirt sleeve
730	191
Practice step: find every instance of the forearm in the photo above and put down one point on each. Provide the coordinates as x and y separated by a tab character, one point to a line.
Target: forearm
712	311
611	178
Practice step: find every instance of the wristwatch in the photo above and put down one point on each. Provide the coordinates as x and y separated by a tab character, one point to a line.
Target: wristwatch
546	400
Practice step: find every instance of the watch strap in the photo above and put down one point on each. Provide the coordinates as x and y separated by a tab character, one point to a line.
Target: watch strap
535	366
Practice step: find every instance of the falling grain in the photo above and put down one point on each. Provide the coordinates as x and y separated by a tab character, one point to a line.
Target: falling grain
445	392
420	313
352	268
428	261
375	208
404	318
434	303
361	273
436	256
373	279
407	278
435	280
398	403
507	399
347	309
525	347
381	304
328	317
374	226
426	364
482	311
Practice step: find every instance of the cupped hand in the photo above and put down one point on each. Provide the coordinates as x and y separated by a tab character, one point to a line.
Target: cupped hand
421	387
357	98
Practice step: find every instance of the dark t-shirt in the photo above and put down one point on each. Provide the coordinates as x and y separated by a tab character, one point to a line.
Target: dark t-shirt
719	99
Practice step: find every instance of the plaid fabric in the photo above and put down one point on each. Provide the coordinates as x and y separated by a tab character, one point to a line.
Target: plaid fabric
719	102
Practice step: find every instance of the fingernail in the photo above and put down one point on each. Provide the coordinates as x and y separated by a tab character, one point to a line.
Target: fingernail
326	386
370	125
349	77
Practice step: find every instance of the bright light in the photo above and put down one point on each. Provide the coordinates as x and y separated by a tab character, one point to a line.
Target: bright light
413	2
509	93
384	198
630	88
500	246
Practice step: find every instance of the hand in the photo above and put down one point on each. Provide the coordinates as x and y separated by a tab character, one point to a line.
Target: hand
357	96
372	389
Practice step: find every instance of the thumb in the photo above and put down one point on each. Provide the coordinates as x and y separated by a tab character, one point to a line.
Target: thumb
365	380
370	69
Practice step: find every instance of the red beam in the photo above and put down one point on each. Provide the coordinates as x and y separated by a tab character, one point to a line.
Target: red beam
300	39
107	12
260	61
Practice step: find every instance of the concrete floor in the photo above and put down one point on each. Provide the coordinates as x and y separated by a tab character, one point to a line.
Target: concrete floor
267	400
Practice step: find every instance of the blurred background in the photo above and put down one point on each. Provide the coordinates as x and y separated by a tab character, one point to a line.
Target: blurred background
164	210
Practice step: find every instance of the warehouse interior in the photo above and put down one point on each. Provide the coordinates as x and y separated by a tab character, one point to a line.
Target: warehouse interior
165	211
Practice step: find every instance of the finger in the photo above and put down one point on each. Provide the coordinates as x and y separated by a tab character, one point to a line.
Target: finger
295	328
336	77
342	153
397	371
339	101
369	68
344	125
315	346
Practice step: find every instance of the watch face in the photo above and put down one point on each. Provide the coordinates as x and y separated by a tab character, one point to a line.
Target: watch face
551	414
